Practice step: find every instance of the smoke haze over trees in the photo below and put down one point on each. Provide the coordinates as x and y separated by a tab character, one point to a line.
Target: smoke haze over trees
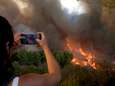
94	28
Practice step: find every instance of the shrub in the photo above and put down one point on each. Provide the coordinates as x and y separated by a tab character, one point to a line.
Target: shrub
64	58
32	62
72	75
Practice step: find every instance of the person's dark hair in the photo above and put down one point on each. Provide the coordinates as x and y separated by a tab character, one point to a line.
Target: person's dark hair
6	42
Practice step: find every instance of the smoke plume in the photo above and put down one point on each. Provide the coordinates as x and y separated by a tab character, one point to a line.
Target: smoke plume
48	16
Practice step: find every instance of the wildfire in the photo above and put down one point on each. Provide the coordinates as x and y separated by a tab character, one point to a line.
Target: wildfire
88	58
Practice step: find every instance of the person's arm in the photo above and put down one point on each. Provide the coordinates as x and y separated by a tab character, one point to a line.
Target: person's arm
54	72
53	66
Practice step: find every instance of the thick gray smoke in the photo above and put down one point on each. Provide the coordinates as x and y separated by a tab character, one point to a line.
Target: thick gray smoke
87	29
34	19
9	10
48	16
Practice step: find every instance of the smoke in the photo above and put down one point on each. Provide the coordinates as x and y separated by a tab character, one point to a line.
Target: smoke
48	16
86	29
9	10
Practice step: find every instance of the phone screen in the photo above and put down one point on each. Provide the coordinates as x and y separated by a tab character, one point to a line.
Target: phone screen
28	39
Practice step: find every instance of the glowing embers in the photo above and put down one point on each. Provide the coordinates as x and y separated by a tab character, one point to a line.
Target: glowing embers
73	6
80	56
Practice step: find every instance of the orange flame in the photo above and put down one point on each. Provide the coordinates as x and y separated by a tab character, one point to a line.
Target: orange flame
88	56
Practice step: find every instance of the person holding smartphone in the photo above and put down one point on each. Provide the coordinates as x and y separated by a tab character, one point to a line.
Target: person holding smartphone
7	41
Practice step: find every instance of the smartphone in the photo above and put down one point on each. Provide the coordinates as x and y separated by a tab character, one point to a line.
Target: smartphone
28	38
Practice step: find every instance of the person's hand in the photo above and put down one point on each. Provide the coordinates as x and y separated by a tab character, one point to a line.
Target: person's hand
17	37
42	42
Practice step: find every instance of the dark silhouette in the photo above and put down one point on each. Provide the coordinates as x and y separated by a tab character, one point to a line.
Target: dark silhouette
6	42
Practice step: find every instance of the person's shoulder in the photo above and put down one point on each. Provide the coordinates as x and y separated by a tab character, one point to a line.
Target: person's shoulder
39	79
